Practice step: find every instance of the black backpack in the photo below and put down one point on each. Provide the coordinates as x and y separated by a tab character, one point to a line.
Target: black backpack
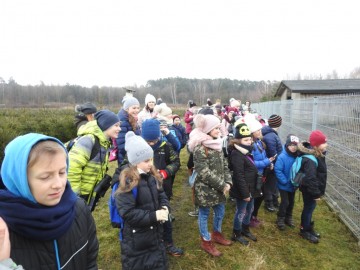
94	151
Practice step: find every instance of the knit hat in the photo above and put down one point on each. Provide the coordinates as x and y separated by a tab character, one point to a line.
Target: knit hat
175	116
234	103
317	138
159	101
191	103
150	129
206	110
130	101
242	131
137	149
163	109
106	119
254	125
291	139
274	121
86	108
206	123
149	98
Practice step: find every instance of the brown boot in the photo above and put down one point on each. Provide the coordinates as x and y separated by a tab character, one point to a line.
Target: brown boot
209	247
217	237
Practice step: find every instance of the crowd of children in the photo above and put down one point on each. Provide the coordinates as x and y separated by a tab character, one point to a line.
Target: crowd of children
46	187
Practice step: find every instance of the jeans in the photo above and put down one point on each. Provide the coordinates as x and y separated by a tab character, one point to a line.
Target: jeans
308	209
219	211
287	203
243	213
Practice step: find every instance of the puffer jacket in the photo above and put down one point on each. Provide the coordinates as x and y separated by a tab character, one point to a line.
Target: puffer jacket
77	248
260	158
142	246
282	171
272	141
188	120
125	127
84	173
314	181
213	175
245	174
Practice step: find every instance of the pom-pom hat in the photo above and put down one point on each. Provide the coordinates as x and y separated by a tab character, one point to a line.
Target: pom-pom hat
137	149
206	123
149	98
274	121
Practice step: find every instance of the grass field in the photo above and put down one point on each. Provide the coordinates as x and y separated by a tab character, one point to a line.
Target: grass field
275	249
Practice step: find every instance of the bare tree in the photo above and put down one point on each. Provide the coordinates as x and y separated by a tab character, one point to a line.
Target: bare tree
173	90
355	74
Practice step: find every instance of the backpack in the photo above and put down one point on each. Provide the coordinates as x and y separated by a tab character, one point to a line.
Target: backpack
115	219
296	175
94	151
225	145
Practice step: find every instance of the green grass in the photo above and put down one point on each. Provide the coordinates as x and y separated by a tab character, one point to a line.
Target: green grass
275	249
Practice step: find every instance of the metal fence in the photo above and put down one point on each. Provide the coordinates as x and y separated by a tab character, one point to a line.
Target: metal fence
339	118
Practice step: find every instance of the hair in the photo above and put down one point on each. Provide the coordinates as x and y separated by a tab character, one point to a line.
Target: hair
133	122
318	152
42	148
263	144
234	141
130	177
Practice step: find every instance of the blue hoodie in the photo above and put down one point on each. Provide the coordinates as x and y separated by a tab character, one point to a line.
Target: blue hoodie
282	171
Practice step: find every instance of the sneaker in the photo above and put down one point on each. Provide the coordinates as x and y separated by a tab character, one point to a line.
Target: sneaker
194	213
174	251
254	222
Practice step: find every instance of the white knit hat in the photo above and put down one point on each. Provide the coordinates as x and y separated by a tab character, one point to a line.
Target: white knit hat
149	98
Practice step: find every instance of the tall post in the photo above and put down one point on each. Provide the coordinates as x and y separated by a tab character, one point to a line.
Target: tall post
314	113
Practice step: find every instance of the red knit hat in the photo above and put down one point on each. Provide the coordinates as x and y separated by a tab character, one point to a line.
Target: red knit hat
317	138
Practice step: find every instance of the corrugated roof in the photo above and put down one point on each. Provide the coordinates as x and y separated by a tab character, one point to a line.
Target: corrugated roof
320	86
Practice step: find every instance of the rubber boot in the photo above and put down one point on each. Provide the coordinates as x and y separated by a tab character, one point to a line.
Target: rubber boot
306	234
217	237
280	222
208	246
237	237
314	233
289	221
246	232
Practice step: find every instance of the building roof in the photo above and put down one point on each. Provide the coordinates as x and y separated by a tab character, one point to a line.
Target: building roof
343	86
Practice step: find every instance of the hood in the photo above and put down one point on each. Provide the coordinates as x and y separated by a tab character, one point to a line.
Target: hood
266	130
93	129
14	166
306	148
123	115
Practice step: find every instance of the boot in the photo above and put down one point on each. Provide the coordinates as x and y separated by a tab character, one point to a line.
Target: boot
289	221
269	206
254	222
316	234
237	237
217	237
209	247
280	222
308	236
246	232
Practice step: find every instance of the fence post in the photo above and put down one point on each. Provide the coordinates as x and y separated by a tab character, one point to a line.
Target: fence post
291	102
314	113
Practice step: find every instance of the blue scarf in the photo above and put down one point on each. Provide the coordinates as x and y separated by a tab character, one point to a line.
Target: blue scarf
36	221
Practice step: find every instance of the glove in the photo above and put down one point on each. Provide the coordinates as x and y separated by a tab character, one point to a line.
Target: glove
162	215
163	173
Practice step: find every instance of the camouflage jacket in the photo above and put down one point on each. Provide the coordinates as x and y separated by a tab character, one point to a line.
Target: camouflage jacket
213	174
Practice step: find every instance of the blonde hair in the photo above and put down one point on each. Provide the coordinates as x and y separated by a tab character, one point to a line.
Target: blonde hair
48	147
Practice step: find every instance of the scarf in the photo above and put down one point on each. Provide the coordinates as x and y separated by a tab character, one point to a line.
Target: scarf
36	221
198	137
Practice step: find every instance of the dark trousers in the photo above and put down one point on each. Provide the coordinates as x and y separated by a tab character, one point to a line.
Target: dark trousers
287	203
167	236
308	209
257	204
270	188
168	185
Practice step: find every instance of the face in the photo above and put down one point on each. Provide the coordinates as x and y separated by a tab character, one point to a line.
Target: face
322	147
292	148
47	178
151	104
257	134
133	110
246	141
113	131
145	165
177	121
215	133
153	142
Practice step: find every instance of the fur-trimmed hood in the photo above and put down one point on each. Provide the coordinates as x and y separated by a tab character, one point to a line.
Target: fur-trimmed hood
305	148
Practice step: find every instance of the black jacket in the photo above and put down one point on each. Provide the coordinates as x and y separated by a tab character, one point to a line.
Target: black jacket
77	248
142	246
244	175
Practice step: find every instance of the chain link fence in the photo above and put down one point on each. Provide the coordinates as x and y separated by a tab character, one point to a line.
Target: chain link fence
339	118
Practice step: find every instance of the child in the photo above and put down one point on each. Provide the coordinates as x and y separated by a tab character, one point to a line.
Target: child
49	226
142	246
148	111
213	180
314	182
286	188
181	130
244	179
85	173
85	113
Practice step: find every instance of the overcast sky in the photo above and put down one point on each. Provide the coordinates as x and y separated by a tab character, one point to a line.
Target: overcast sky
123	43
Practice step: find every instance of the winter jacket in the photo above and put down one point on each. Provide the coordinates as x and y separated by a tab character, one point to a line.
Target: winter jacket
144	115
165	158
180	131
142	246
213	175
84	174
77	248
245	174
125	127
260	158
282	171
314	181
188	120
272	141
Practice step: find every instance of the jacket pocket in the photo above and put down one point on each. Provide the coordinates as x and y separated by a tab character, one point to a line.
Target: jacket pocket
144	238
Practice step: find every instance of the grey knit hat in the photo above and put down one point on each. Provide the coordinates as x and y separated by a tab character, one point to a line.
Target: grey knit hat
130	101
137	149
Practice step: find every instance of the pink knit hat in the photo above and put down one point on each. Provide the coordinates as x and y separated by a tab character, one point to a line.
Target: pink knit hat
206	123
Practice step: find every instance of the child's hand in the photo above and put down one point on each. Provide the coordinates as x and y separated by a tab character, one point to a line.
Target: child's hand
4	241
226	189
162	215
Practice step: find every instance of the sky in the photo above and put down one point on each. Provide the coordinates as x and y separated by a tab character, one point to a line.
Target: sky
127	43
